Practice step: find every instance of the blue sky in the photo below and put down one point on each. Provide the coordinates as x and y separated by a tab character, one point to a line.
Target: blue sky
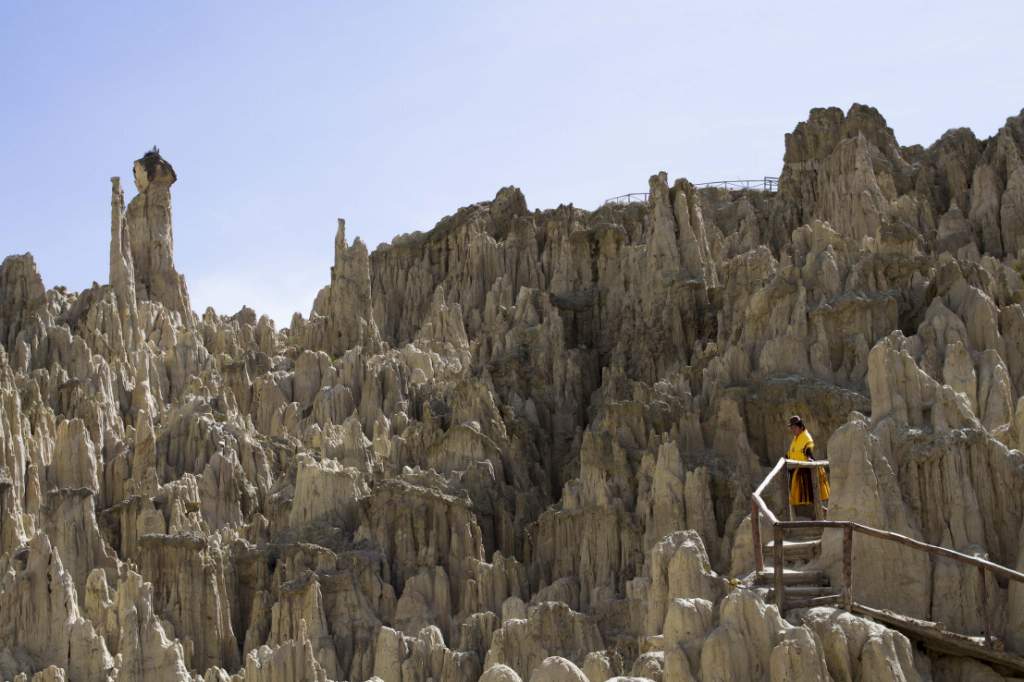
281	117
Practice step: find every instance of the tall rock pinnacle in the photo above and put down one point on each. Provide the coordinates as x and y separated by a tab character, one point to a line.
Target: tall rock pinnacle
152	236
346	306
122	270
21	295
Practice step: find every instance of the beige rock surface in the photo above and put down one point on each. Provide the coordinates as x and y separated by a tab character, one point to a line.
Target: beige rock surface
521	446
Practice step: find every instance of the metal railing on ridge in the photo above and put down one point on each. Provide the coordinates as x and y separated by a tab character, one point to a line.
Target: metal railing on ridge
764	184
631	198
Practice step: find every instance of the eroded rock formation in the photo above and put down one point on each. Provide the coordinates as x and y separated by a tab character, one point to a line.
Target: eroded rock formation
521	446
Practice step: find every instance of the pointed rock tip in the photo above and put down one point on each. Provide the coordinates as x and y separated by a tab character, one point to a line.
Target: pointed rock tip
862	109
26	257
340	242
153	168
658	183
509	201
682	184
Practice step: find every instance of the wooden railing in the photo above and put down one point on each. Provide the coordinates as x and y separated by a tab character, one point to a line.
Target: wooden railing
845	598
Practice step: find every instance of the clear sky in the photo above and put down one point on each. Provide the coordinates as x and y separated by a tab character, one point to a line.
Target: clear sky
280	117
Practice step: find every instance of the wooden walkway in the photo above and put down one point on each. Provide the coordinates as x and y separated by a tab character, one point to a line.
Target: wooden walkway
795	588
934	637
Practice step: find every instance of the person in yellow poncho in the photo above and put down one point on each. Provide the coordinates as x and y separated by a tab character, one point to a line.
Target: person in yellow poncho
802	448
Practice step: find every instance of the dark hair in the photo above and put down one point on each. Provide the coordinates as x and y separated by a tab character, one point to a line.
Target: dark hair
796	421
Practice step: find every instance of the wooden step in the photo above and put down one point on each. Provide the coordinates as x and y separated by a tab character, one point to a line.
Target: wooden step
831	599
792	576
794	549
803	533
795	592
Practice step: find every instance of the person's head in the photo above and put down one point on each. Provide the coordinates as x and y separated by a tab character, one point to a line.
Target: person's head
796	425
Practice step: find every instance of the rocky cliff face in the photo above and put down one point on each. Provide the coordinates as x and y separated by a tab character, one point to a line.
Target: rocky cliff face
521	446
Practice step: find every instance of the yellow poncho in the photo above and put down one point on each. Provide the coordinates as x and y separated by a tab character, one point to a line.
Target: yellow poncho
800	490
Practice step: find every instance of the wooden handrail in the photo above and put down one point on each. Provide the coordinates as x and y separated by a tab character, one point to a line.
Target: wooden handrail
941	551
758	502
811	523
758	507
761	488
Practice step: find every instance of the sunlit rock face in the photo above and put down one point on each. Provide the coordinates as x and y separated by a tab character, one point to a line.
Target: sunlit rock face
521	446
151	234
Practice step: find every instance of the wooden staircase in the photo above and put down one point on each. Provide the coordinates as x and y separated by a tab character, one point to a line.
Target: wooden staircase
803	586
783	574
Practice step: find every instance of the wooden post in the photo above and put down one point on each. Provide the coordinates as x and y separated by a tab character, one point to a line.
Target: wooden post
780	560
847	596
986	629
789	483
819	513
755	532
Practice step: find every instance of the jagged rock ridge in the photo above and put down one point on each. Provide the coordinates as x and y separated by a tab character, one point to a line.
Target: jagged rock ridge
521	446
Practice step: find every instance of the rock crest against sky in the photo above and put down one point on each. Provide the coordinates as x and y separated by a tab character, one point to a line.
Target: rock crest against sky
521	446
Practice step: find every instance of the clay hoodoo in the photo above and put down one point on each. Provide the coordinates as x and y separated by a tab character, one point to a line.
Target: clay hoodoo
522	446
